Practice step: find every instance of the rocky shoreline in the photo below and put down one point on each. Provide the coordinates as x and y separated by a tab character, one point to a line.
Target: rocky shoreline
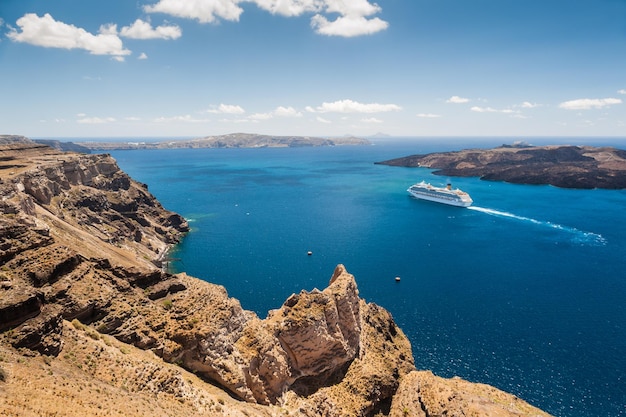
583	167
91	325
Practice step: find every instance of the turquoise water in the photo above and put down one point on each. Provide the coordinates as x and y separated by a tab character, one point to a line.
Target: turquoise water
525	290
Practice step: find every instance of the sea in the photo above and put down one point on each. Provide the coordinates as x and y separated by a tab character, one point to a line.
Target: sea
525	290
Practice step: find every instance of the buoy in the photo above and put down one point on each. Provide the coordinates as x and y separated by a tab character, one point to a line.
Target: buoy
397	279
309	253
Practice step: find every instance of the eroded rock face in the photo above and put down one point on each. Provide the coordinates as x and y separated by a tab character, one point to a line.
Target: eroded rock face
312	336
422	394
54	249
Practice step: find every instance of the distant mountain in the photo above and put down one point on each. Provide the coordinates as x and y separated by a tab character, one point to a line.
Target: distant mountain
63	146
232	140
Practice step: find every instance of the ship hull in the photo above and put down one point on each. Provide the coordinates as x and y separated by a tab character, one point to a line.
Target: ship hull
449	198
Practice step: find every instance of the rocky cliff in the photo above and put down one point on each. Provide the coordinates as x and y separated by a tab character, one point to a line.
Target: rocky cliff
562	166
91	325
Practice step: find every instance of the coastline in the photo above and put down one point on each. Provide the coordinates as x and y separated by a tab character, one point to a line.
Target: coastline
565	166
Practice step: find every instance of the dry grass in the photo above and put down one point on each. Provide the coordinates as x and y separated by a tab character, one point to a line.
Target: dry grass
95	375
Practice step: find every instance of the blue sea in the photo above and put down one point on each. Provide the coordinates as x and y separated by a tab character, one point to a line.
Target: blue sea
524	291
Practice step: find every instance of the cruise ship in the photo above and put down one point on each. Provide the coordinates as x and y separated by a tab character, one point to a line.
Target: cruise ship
447	195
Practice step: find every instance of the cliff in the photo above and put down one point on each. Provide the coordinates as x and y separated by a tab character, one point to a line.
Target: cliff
91	325
562	166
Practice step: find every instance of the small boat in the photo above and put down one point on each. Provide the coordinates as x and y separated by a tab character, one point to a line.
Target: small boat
447	195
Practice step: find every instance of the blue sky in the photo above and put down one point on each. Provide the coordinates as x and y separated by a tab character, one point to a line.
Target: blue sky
313	67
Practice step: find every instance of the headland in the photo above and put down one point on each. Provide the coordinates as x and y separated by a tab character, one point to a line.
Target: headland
564	166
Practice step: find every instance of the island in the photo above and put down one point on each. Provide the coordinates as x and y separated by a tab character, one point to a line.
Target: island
565	166
232	140
91	323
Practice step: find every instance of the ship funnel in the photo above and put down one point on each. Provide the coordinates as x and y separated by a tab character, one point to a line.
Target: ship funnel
449	186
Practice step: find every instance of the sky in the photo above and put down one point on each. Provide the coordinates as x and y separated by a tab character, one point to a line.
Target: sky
194	68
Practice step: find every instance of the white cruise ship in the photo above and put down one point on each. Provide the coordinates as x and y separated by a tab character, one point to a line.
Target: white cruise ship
447	195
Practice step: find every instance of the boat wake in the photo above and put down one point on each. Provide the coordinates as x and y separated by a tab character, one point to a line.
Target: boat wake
579	236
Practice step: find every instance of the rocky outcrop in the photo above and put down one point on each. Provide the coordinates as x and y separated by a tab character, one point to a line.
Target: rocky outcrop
562	166
80	241
422	394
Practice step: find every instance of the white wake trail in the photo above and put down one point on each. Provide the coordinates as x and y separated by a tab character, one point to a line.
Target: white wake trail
580	235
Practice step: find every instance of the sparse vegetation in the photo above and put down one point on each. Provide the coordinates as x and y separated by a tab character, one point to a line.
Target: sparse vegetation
78	325
92	333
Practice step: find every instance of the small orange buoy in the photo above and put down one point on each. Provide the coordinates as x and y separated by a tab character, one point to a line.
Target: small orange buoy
397	279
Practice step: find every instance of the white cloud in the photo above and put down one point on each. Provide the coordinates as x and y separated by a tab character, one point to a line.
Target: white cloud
529	105
290	7
622	91
347	26
371	120
457	100
227	109
132	119
349	106
238	121
204	11
96	120
352	7
47	32
589	103
144	30
281	111
350	16
484	109
261	116
185	119
142	56
492	110
428	115
322	120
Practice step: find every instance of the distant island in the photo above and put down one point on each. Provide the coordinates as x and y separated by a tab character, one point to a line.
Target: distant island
232	140
565	166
